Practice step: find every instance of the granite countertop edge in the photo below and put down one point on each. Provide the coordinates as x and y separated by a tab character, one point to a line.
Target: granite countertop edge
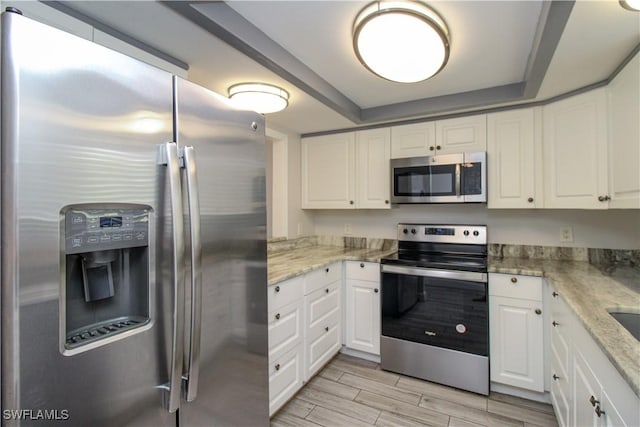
589	292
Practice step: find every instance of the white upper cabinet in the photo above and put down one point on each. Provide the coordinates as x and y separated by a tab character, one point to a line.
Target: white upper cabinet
512	166
373	179
328	171
624	137
463	134
575	152
415	140
347	170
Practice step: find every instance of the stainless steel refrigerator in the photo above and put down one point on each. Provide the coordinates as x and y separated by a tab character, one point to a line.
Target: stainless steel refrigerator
133	242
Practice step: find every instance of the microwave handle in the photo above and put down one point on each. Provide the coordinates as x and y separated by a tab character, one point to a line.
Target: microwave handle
457	179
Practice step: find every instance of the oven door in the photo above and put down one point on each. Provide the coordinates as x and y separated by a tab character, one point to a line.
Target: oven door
441	308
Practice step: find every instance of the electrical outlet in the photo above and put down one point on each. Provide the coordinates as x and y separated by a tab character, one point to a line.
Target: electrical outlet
566	234
347	228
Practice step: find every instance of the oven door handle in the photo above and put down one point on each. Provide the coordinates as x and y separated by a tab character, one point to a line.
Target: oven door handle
470	276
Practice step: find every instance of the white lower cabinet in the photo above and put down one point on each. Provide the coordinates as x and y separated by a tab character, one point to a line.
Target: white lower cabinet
516	331
362	307
285	377
586	389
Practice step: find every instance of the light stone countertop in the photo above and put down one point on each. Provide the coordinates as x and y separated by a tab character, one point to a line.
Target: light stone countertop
589	292
285	264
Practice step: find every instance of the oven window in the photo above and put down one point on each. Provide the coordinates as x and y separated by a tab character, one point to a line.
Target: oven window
471	178
444	313
424	181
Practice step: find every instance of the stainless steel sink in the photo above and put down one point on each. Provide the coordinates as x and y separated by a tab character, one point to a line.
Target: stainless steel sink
629	318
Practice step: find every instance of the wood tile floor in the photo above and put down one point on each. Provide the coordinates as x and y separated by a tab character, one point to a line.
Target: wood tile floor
353	392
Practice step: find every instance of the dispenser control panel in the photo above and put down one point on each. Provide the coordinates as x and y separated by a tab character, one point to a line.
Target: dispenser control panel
89	230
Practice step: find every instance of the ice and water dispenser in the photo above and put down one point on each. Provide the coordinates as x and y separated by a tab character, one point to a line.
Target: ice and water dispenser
106	283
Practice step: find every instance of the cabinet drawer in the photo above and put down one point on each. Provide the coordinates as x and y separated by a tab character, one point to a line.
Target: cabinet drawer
322	277
559	346
321	302
514	286
320	327
320	350
285	328
285	377
285	292
363	271
560	393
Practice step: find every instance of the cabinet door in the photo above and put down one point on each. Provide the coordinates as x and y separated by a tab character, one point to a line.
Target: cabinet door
585	387
328	172
575	152
363	316
516	334
624	142
462	134
285	378
512	165
610	416
415	140
373	176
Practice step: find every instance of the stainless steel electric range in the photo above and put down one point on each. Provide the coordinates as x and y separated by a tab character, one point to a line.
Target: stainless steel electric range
435	314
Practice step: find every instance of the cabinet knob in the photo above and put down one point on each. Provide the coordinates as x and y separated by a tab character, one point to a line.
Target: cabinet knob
555	377
386	202
327	290
530	200
277	366
593	401
514	280
351	202
438	147
362	265
554	294
538	311
599	412
376	290
432	148
277	288
554	323
277	316
326	328
326	270
604	198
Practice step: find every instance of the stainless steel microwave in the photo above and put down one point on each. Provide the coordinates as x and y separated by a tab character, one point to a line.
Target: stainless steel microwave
448	178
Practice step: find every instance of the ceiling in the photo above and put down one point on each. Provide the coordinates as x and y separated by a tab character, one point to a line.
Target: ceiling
502	53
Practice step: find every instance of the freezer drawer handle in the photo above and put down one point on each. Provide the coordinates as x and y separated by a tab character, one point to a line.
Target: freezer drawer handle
168	156
193	360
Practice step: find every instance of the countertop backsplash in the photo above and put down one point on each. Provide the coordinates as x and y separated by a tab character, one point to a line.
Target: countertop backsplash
338	241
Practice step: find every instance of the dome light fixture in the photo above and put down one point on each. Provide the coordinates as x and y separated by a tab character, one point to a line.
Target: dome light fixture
401	41
260	97
633	5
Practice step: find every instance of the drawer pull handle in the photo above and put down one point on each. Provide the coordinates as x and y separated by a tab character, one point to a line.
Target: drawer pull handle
277	367
514	280
554	294
376	290
326	328
555	377
327	290
277	316
554	323
277	288
362	265
599	412
594	401
538	311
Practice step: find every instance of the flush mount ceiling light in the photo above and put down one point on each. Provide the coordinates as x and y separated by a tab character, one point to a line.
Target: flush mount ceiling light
633	5
260	97
401	41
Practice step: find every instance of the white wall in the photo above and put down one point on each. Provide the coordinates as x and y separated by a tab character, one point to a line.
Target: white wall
614	229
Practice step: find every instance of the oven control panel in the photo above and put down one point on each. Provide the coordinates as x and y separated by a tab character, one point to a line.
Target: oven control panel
447	233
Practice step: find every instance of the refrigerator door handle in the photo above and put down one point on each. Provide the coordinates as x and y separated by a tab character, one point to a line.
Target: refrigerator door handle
188	154
168	156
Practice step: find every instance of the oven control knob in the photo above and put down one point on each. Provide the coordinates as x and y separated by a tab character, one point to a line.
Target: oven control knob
405	231
476	233
466	232
413	231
